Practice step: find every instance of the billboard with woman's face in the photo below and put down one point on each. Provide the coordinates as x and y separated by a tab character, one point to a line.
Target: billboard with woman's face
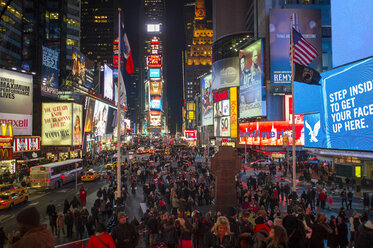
77	124
99	118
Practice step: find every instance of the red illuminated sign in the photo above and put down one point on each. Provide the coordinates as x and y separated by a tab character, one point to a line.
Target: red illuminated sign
26	144
221	95
298	119
154	41
154	60
190	135
270	133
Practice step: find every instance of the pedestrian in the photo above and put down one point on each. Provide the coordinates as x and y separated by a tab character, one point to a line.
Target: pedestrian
295	230
83	196
320	229
366	201
277	238
66	206
220	235
31	233
342	232
124	234
101	239
2	237
75	203
60	222
51	212
69	221
333	237
365	238
350	196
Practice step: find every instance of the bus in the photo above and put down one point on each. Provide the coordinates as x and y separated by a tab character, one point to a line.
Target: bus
54	175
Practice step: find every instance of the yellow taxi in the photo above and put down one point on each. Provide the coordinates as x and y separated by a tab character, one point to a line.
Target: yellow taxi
10	187
11	198
114	165
90	176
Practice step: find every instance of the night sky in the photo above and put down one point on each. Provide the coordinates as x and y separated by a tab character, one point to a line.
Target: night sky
174	44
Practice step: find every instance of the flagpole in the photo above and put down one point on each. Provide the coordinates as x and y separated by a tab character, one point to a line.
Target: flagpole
119	185
292	103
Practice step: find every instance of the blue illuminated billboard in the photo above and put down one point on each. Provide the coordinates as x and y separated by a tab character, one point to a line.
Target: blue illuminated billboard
155	104
352	30
50	68
252	95
308	23
154	73
314	131
347	110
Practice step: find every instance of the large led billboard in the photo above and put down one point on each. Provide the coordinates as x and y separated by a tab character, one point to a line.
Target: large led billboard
207	101
155	104
100	118
225	73
298	119
78	71
154	73
88	127
347	111
111	120
155	87
77	124
308	23
154	60
16	91
108	82
50	71
61	124
352	30
270	133
147	95
252	95
225	113
151	28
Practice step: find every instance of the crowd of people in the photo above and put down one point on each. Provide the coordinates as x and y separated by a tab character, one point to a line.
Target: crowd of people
179	195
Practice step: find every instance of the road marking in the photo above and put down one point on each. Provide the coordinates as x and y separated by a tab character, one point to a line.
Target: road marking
2	218
62	191
34	203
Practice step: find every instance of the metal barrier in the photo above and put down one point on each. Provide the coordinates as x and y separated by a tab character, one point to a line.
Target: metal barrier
76	244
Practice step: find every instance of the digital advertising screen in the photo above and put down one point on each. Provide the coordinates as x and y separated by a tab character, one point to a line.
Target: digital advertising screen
78	71
298	119
155	121
155	104
108	82
154	60
154	73
155	87
88	127
352	30
147	95
50	69
207	100
252	94
222	118
77	124
270	133
225	73
100	118
190	135
347	111
57	124
111	120
308	23
16	101
314	131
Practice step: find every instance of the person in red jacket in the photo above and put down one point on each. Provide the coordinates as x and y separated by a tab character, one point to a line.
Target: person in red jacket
83	196
322	199
101	239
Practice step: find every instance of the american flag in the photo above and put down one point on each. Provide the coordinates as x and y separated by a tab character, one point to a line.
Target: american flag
304	52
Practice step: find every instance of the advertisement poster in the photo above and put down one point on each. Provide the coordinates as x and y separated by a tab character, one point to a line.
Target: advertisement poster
108	82
57	124
222	118
155	121
308	23
111	120
154	73
50	69
77	124
147	96
314	132
225	73
347	111
298	119
155	88
16	91
270	133
233	112
100	118
89	116
89	74
207	101
78	71
252	101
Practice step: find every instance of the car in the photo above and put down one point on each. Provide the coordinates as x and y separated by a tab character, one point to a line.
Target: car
10	187
11	198
114	165
90	176
261	162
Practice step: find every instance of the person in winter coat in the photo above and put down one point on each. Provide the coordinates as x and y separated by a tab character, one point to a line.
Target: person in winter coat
83	196
320	229
365	238
32	234
220	235
101	239
169	234
75	203
153	227
342	232
295	231
69	221
277	238
2	237
60	222
66	206
124	234
333	237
